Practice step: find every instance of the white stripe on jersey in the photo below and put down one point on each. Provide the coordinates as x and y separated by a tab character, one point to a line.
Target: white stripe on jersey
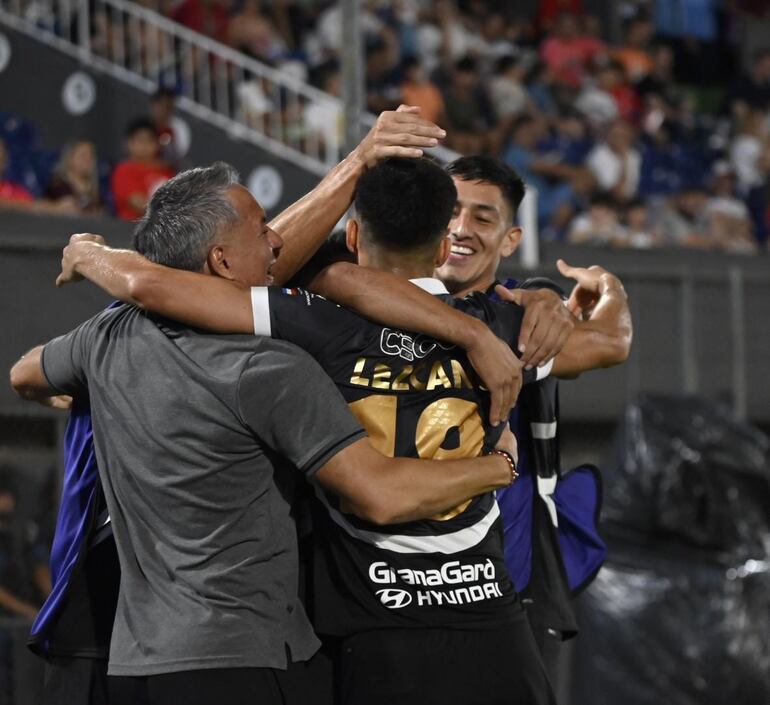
454	542
543	431
546	486
260	311
544	370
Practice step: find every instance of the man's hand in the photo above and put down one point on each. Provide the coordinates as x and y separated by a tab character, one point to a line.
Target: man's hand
546	326
591	284
305	224
501	372
70	257
398	133
508	443
62	402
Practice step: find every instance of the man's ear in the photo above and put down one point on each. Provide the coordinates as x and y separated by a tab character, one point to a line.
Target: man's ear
217	263
511	241
351	235
443	251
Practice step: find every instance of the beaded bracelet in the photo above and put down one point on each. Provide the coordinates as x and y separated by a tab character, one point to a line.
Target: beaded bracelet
511	462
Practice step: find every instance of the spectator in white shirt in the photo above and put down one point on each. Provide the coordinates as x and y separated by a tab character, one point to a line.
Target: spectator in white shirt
616	163
727	218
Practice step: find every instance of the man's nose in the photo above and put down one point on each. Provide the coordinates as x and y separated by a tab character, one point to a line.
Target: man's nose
276	242
459	226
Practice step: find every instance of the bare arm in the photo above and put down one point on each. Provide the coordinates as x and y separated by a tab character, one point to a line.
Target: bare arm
28	380
603	332
199	300
41	576
216	304
304	225
388	298
604	339
392	490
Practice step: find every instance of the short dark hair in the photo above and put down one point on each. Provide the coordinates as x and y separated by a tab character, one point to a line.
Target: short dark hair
405	204
185	215
138	125
480	167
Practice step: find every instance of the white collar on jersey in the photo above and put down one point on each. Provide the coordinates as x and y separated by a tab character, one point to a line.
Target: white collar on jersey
430	284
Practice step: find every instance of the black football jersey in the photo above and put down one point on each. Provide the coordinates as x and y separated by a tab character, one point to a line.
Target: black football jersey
421	398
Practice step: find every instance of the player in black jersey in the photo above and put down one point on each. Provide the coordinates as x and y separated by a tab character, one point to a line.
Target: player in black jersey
483	231
426	610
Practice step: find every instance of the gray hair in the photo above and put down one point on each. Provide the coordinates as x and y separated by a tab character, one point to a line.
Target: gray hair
185	215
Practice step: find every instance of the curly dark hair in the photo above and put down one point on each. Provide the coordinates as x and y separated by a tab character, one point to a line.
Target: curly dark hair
405	204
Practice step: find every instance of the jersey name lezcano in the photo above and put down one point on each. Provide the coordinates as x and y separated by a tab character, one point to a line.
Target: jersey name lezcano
449	374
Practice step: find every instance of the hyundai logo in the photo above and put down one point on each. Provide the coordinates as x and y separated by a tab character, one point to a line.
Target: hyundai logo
394	599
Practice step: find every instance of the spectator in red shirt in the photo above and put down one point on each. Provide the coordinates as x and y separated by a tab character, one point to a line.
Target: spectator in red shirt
11	194
569	52
613	79
135	180
548	12
209	17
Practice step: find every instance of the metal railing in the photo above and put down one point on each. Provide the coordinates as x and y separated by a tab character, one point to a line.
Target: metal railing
215	83
247	99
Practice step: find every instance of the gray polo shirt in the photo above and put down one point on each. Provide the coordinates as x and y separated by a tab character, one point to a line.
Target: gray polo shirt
190	431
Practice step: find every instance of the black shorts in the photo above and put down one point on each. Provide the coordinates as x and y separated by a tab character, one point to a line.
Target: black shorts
69	680
443	667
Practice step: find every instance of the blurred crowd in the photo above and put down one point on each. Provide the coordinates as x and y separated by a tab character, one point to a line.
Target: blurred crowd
660	137
74	181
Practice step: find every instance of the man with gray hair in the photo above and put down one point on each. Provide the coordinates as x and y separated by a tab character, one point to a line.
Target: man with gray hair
192	432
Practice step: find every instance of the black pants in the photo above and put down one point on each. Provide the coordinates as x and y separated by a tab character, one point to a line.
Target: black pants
216	686
443	667
69	680
304	683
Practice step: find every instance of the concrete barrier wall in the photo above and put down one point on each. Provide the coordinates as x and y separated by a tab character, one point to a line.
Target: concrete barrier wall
686	337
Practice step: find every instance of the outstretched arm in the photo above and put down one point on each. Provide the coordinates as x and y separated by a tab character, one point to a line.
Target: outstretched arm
199	300
304	225
386	490
388	298
220	305
603	333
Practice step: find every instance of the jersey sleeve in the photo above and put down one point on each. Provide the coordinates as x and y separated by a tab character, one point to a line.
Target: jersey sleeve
543	283
505	320
64	360
507	325
290	403
300	317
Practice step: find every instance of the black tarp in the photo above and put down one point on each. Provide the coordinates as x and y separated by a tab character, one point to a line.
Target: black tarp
680	613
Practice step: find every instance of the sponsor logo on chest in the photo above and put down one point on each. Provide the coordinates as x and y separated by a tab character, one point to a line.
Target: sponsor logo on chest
452	583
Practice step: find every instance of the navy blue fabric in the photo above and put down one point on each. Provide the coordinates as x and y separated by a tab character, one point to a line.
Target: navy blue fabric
577	498
73	523
578	501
